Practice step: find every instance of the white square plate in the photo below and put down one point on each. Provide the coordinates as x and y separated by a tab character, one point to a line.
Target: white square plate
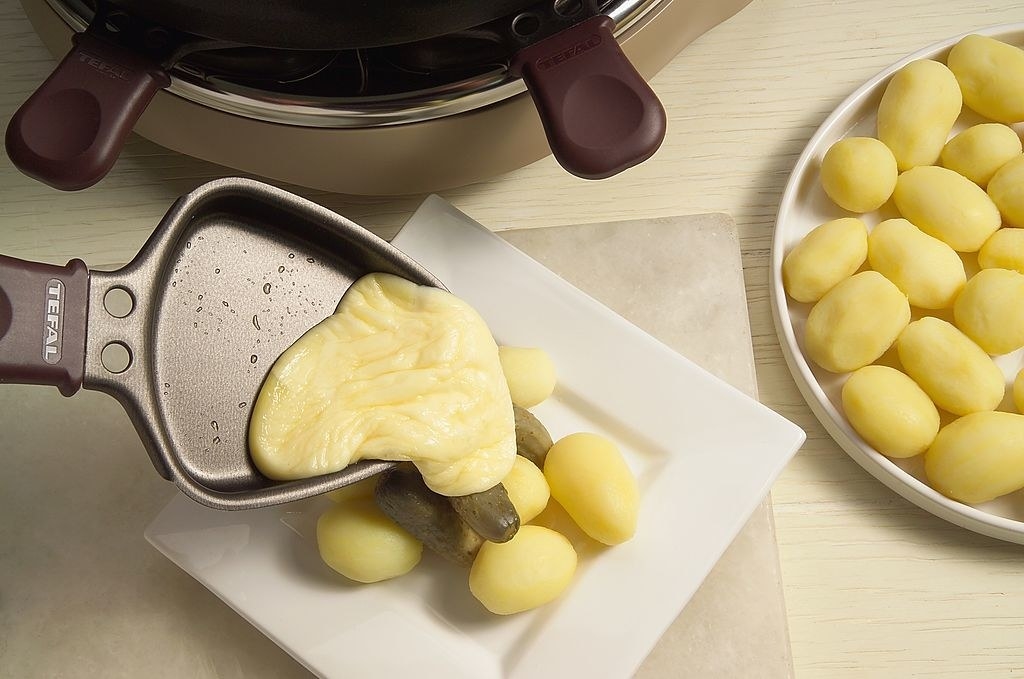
705	455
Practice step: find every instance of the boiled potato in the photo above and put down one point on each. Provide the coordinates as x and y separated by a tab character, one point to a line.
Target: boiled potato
890	411
1006	189
990	73
527	488
355	490
948	206
927	270
954	371
528	571
978	457
917	112
1018	392
828	254
1003	250
356	539
590	479
855	322
980	150
859	173
530	374
990	310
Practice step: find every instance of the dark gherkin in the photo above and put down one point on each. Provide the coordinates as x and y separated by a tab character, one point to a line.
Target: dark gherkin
532	439
490	513
428	516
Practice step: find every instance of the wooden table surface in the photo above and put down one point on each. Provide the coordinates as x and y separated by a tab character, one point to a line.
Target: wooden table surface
875	587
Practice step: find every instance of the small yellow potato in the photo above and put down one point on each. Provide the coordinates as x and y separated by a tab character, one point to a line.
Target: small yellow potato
356	539
990	73
530	374
355	490
590	479
1018	392
527	489
917	112
954	371
890	411
855	322
927	270
828	254
859	173
948	206
980	150
528	571
1006	189
978	457
990	310
1003	250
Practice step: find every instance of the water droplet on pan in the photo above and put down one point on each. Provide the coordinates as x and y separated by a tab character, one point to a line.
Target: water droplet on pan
291	255
266	288
310	260
198	309
280	269
253	358
215	425
216	440
256	322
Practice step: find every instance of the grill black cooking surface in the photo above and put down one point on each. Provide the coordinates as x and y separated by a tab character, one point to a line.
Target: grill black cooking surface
372	72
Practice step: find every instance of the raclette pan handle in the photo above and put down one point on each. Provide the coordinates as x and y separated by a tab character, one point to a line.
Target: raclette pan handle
42	323
599	114
70	131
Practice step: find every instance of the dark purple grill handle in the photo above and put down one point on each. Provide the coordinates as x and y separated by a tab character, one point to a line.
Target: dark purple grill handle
600	115
42	323
69	133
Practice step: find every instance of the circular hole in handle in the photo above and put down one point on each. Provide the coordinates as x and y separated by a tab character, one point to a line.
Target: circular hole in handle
118	302
116	357
157	38
117	21
568	8
525	25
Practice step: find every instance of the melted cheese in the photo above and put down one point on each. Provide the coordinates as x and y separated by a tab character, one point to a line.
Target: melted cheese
399	372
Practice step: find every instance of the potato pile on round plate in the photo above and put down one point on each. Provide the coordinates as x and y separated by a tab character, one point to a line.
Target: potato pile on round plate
942	282
379	527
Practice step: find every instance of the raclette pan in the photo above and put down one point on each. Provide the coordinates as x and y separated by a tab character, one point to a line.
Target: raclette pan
185	334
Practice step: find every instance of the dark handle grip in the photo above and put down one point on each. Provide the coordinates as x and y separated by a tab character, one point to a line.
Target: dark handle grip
69	133
43	312
600	115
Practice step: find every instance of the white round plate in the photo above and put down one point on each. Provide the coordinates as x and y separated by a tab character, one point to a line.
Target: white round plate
804	206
